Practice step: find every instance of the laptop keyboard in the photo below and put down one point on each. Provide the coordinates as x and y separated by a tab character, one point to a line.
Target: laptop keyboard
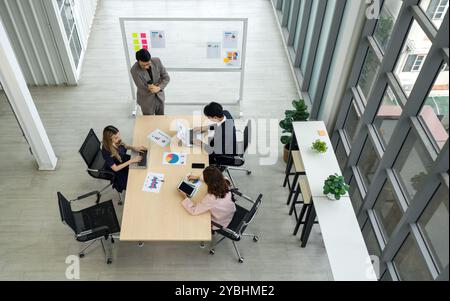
143	162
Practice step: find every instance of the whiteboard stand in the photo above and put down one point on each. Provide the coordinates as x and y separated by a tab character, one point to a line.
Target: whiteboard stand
240	69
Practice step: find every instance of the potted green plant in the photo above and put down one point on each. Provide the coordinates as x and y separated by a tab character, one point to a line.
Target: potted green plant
319	146
335	187
300	113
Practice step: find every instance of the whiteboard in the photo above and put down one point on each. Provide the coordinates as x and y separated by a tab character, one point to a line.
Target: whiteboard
185	41
203	45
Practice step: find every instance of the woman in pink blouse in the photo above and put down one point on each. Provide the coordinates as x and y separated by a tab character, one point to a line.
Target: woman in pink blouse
218	200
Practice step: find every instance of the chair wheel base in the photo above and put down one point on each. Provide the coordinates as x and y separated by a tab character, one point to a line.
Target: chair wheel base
140	244
81	255
109	261
249	173
212	251
241	259
120	203
255	238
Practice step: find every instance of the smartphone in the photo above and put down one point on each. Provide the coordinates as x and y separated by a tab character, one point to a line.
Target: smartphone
198	165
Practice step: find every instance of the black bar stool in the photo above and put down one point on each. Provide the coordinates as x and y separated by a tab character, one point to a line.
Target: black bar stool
295	161
305	191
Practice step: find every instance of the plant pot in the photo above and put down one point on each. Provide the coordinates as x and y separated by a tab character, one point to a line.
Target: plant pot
331	197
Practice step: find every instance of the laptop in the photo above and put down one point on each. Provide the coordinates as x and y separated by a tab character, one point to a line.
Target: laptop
143	163
186	135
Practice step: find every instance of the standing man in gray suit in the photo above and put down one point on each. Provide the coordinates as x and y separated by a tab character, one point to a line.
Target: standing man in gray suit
151	78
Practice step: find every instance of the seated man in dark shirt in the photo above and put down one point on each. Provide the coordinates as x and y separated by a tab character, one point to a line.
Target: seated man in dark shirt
222	146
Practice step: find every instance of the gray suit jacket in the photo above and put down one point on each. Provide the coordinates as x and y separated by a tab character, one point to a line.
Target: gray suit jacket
160	78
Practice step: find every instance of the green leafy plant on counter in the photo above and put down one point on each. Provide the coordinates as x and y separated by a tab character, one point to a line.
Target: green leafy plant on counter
319	146
335	185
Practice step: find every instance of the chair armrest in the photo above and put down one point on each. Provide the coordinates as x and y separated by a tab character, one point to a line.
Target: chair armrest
93	233
222	228
103	171
84	196
240	194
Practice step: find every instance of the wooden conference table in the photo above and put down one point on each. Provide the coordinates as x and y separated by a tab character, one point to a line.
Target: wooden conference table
346	249
149	216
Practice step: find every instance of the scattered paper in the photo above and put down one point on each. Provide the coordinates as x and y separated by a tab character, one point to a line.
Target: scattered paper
158	39
159	137
232	58
171	158
230	39
213	50
153	182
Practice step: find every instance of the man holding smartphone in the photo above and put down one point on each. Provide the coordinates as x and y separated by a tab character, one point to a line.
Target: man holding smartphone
151	78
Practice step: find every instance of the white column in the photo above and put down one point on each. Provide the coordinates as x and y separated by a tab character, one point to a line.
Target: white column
16	89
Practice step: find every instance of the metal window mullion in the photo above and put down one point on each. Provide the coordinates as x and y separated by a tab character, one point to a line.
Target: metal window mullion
328	57
430	185
443	276
424	251
285	13
388	62
293	25
278	4
397	90
316	35
429	72
424	22
374	223
423	135
358	63
392	272
303	32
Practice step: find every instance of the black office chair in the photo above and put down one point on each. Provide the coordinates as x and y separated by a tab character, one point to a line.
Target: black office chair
241	219
235	162
98	222
91	153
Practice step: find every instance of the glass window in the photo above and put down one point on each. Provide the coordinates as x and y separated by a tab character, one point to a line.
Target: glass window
434	114
291	13
75	46
412	166
368	163
435	10
309	36
387	117
355	195
371	241
434	226
387	210
386	276
352	121
410	264
412	57
341	155
369	70
67	17
298	27
385	25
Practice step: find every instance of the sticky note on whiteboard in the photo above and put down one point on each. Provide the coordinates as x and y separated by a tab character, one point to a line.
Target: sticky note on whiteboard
137	48
322	133
135	34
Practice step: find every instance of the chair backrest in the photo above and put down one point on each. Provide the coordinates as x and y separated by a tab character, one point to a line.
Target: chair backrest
247	135
248	218
66	212
90	148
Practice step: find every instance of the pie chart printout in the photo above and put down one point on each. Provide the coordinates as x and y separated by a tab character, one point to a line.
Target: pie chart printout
174	158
